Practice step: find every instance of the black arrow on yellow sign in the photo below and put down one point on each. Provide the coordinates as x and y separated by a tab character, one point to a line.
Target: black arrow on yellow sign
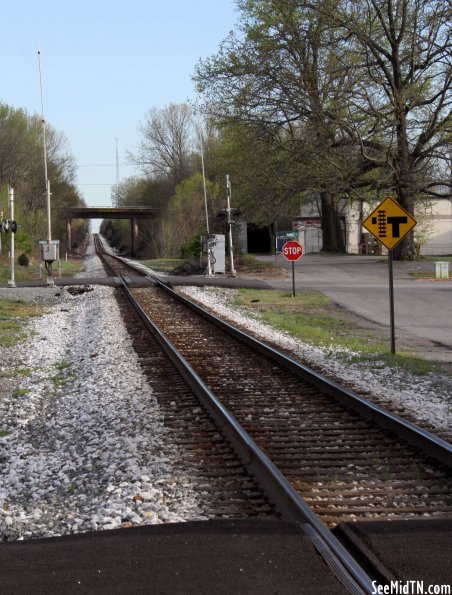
389	223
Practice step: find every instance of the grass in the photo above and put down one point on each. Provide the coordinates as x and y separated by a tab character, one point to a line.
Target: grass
247	263
312	318
424	275
163	265
20	392
34	271
64	376
12	320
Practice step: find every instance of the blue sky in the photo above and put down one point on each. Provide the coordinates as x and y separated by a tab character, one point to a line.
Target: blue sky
104	64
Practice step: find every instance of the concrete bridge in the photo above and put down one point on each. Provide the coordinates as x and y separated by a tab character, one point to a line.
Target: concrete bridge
131	213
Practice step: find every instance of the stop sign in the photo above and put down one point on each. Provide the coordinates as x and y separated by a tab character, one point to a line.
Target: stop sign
292	250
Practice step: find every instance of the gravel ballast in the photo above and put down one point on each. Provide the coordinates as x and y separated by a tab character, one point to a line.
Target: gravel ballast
427	398
82	440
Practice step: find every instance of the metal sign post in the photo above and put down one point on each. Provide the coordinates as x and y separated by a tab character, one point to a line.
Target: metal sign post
292	251
391	301
228	212
390	223
12	281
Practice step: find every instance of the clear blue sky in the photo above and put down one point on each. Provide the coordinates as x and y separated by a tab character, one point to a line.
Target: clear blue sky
104	64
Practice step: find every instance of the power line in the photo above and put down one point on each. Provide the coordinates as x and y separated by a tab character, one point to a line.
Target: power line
107	165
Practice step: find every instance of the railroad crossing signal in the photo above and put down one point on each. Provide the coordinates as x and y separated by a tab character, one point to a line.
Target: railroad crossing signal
389	223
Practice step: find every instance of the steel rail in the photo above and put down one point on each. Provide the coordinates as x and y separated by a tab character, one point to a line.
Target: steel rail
285	498
430	444
287	501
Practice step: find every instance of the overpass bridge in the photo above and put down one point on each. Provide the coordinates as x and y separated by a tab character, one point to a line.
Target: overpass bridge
131	213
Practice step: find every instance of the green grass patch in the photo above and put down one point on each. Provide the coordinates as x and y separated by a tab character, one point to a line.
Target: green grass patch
20	392
36	270
163	265
62	365
27	372
427	275
13	315
247	263
64	376
3	433
311	317
70	267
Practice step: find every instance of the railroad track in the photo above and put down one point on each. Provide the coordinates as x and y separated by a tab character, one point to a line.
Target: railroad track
346	458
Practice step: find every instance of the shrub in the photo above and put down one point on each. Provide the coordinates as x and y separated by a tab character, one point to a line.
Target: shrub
192	248
23	260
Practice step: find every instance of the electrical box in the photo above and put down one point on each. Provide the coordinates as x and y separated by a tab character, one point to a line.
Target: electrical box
219	248
216	244
49	251
441	270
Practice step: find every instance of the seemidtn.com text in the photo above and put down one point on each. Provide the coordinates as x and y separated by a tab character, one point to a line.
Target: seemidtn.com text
410	588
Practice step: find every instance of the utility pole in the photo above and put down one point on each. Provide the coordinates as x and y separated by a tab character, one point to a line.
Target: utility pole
229	216
50	252
12	281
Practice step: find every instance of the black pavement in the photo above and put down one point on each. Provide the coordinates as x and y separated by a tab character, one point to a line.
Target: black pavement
214	557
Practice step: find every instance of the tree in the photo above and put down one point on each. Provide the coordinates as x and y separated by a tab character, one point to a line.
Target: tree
283	79
402	109
185	215
167	143
21	165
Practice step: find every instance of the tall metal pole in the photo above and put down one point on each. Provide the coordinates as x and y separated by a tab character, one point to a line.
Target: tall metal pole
12	281
49	225
228	211
48	263
391	300
209	249
203	171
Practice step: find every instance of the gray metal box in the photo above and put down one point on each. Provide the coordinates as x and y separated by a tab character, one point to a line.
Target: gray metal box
49	251
219	248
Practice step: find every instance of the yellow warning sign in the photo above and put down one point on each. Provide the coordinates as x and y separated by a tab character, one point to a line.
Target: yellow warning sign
389	223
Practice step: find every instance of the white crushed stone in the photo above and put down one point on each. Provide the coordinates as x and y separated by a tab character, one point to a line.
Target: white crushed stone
428	398
82	440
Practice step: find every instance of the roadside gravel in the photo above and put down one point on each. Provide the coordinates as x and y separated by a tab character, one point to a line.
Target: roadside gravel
82	440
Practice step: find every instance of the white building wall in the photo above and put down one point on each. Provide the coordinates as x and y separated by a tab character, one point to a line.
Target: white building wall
440	221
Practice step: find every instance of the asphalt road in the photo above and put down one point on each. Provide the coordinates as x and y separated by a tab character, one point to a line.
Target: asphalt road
360	284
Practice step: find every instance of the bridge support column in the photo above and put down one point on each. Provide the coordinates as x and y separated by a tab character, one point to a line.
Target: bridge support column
134	225
69	236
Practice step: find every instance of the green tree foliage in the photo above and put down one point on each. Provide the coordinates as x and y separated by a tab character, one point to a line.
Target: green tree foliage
135	191
347	89
185	215
21	166
402	107
169	156
282	81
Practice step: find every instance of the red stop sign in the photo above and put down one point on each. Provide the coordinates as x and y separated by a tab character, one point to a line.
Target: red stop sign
292	250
